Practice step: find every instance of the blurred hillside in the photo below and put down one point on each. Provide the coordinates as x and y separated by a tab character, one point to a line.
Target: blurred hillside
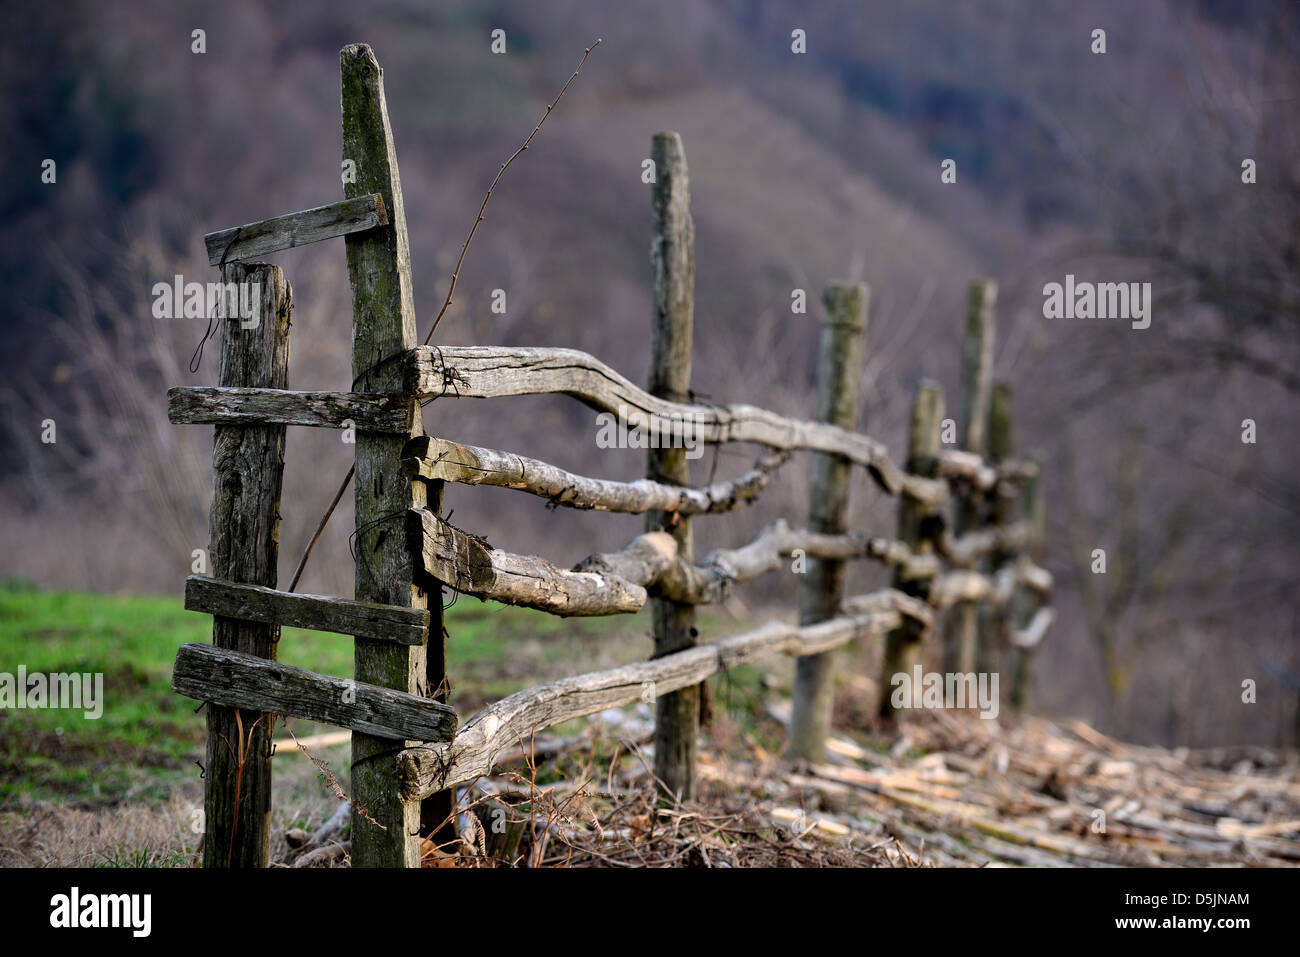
1121	167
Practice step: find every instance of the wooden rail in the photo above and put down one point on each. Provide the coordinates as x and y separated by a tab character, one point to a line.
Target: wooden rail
431	459
482	372
972	575
614	583
511	721
196	405
405	626
296	229
249	681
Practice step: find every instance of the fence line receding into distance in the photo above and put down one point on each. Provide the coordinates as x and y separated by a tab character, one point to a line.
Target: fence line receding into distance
410	750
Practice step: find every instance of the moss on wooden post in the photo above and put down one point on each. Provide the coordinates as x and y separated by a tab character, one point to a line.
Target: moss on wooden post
245	548
672	254
384	828
903	645
839	374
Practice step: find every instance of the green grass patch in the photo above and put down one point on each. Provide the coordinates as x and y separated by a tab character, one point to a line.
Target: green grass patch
148	737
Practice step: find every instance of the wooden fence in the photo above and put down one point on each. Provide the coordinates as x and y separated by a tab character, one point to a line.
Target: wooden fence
409	750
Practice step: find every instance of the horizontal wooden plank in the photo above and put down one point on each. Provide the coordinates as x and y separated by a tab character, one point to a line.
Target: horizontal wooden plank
404	626
500	728
296	229
487	372
196	405
237	680
431	458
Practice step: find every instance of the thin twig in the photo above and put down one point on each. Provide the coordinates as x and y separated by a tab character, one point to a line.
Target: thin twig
302	563
332	781
241	761
504	166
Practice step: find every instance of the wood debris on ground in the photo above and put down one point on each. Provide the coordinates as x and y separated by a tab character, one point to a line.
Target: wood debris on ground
942	789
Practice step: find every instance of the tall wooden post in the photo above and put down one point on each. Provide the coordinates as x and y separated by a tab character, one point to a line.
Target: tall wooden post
903	645
992	655
245	548
384	828
672	254
1022	658
977	381
839	374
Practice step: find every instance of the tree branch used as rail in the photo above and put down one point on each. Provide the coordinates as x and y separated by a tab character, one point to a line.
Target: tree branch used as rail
442	553
501	727
984	477
486	372
431	458
965	550
1032	634
620	582
966	585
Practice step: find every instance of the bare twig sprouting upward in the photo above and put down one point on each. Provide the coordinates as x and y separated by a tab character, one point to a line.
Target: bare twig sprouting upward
504	166
302	562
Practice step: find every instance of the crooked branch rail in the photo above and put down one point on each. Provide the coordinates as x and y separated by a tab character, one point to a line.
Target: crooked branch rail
614	583
408	751
483	372
426	457
504	725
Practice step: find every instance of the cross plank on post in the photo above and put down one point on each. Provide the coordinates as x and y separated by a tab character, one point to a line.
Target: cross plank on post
295	229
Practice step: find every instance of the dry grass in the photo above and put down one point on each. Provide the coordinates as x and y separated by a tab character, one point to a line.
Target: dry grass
128	835
949	790
151	834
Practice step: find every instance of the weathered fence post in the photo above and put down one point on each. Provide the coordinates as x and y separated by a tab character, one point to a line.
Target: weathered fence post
962	633
903	645
839	373
245	548
992	655
1022	658
672	254
385	829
